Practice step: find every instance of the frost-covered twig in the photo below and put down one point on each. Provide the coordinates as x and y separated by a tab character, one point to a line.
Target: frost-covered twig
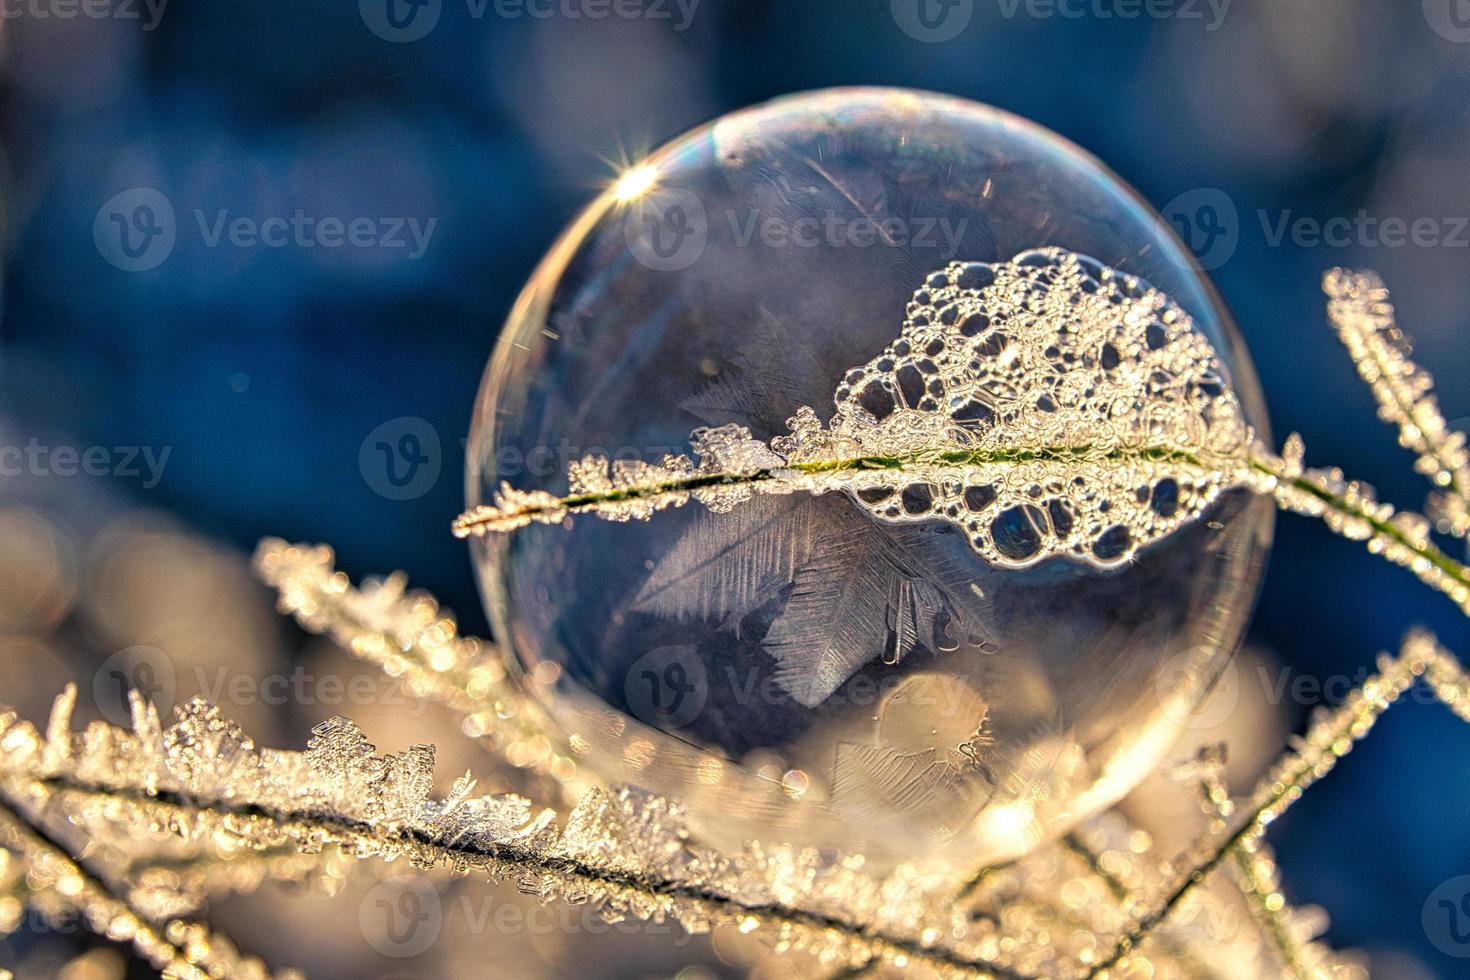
1351	509
407	636
1048	384
627	853
1331	735
58	885
1360	310
1256	870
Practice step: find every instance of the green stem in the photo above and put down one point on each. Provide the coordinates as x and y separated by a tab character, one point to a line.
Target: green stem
1425	551
1262	462
956	458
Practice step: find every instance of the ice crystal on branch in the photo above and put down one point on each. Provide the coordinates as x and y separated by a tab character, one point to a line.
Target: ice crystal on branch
1359	308
1048	405
1352	509
407	636
60	888
1099	903
626	853
1331	735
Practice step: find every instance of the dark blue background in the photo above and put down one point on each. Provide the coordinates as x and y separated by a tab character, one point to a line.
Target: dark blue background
265	369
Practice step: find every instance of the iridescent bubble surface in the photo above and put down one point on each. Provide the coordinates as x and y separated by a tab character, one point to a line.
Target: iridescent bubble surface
797	669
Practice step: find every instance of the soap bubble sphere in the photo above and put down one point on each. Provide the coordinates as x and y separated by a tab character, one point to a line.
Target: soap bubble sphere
796	670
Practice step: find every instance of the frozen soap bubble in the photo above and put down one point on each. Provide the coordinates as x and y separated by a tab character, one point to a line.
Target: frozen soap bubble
948	643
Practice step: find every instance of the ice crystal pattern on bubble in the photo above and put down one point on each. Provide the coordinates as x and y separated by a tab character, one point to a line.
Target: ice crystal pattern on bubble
1046	406
857	586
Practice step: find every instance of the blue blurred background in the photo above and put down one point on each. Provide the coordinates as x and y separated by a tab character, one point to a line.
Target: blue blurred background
264	371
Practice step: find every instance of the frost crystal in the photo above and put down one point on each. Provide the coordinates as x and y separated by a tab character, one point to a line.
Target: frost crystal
1360	311
1047	406
856	587
1063	911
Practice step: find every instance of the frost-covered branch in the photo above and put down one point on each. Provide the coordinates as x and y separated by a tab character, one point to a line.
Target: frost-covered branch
408	637
59	886
1331	735
1360	310
1352	509
1287	929
626	853
1046	384
1049	384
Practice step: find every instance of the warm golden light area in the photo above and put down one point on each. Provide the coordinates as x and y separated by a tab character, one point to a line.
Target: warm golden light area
634	183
